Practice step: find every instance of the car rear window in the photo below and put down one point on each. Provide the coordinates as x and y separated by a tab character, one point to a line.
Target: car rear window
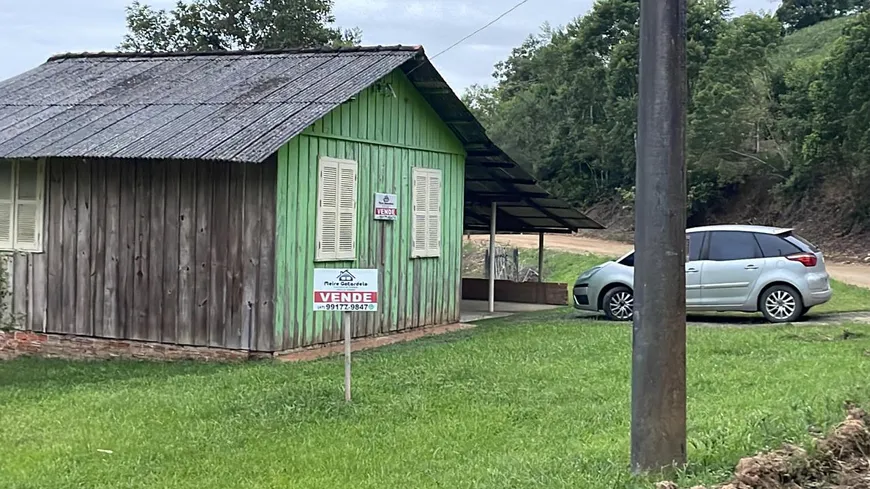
800	242
773	245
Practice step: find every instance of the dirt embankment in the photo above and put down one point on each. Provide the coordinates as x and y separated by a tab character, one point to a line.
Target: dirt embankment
854	274
839	461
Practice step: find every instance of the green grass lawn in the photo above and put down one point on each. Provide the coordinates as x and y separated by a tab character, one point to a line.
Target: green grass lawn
529	401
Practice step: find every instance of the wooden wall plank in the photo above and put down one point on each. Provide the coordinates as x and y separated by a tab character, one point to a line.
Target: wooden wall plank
98	246
204	175
54	223
187	265
250	252
19	279
266	309
127	255
232	332
285	226
39	290
171	246
155	250
217	266
82	257
68	250
293	330
141	238
113	295
7	268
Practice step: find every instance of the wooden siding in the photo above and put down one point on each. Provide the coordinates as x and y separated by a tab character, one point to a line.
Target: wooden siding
163	251
387	135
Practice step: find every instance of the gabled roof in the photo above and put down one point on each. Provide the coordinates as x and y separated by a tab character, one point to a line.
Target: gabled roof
242	106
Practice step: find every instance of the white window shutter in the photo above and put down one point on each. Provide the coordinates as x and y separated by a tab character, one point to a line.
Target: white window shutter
336	210
327	211
433	215
29	206
347	210
7	199
421	206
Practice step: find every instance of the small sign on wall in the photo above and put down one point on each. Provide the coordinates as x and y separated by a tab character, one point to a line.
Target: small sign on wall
386	207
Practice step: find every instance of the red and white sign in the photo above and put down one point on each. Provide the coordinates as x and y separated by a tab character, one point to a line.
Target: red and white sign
386	207
337	289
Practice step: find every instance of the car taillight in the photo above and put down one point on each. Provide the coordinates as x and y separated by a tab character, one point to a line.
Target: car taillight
807	259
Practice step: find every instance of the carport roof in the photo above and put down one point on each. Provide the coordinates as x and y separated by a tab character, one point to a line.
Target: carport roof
242	106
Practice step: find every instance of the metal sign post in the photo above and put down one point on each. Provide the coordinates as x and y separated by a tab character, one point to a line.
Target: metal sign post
345	291
658	380
345	322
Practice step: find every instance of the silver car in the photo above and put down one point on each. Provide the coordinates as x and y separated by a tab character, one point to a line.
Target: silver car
728	268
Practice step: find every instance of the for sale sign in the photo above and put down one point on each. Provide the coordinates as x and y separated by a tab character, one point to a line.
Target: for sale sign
386	208
337	289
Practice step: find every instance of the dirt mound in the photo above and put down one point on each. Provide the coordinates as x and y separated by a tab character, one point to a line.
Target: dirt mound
841	460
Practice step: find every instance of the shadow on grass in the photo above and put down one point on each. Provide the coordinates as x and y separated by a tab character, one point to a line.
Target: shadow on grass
58	375
725	318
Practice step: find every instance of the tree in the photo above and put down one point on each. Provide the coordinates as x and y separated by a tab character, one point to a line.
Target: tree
797	14
218	25
839	143
566	100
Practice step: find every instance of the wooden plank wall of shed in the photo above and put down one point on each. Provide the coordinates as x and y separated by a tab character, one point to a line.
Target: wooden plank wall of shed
387	135
164	251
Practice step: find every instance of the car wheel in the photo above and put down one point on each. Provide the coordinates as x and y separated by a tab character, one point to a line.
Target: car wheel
781	304
619	303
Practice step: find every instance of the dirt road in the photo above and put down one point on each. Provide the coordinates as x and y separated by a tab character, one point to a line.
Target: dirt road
850	274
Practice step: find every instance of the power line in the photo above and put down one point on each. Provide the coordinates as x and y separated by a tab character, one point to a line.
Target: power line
478	31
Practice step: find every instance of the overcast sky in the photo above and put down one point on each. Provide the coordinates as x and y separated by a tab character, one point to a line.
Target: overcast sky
33	30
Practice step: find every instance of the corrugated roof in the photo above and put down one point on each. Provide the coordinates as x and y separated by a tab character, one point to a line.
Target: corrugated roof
242	106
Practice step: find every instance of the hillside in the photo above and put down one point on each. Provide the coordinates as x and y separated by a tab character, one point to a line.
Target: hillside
820	217
813	43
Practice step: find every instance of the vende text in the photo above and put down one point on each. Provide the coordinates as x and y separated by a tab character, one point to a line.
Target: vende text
345	297
385	212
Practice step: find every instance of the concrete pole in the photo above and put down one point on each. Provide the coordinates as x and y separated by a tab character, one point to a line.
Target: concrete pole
658	381
492	228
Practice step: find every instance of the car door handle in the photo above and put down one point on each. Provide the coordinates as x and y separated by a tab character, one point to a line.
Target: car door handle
691	270
751	267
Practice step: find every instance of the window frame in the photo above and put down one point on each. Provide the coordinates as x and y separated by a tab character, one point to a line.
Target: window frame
703	237
336	255
797	249
38	245
427	252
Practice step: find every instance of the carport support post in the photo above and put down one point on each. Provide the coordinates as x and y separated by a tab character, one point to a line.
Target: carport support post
658	381
492	258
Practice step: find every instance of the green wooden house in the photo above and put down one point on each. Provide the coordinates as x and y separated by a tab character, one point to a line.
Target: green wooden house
187	198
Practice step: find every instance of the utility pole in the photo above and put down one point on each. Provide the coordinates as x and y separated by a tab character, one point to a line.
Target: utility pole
658	380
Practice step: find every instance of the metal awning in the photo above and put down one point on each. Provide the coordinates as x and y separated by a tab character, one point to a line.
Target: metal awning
491	176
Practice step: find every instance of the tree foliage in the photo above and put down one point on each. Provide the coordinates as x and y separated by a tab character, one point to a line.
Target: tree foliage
565	104
217	25
797	14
